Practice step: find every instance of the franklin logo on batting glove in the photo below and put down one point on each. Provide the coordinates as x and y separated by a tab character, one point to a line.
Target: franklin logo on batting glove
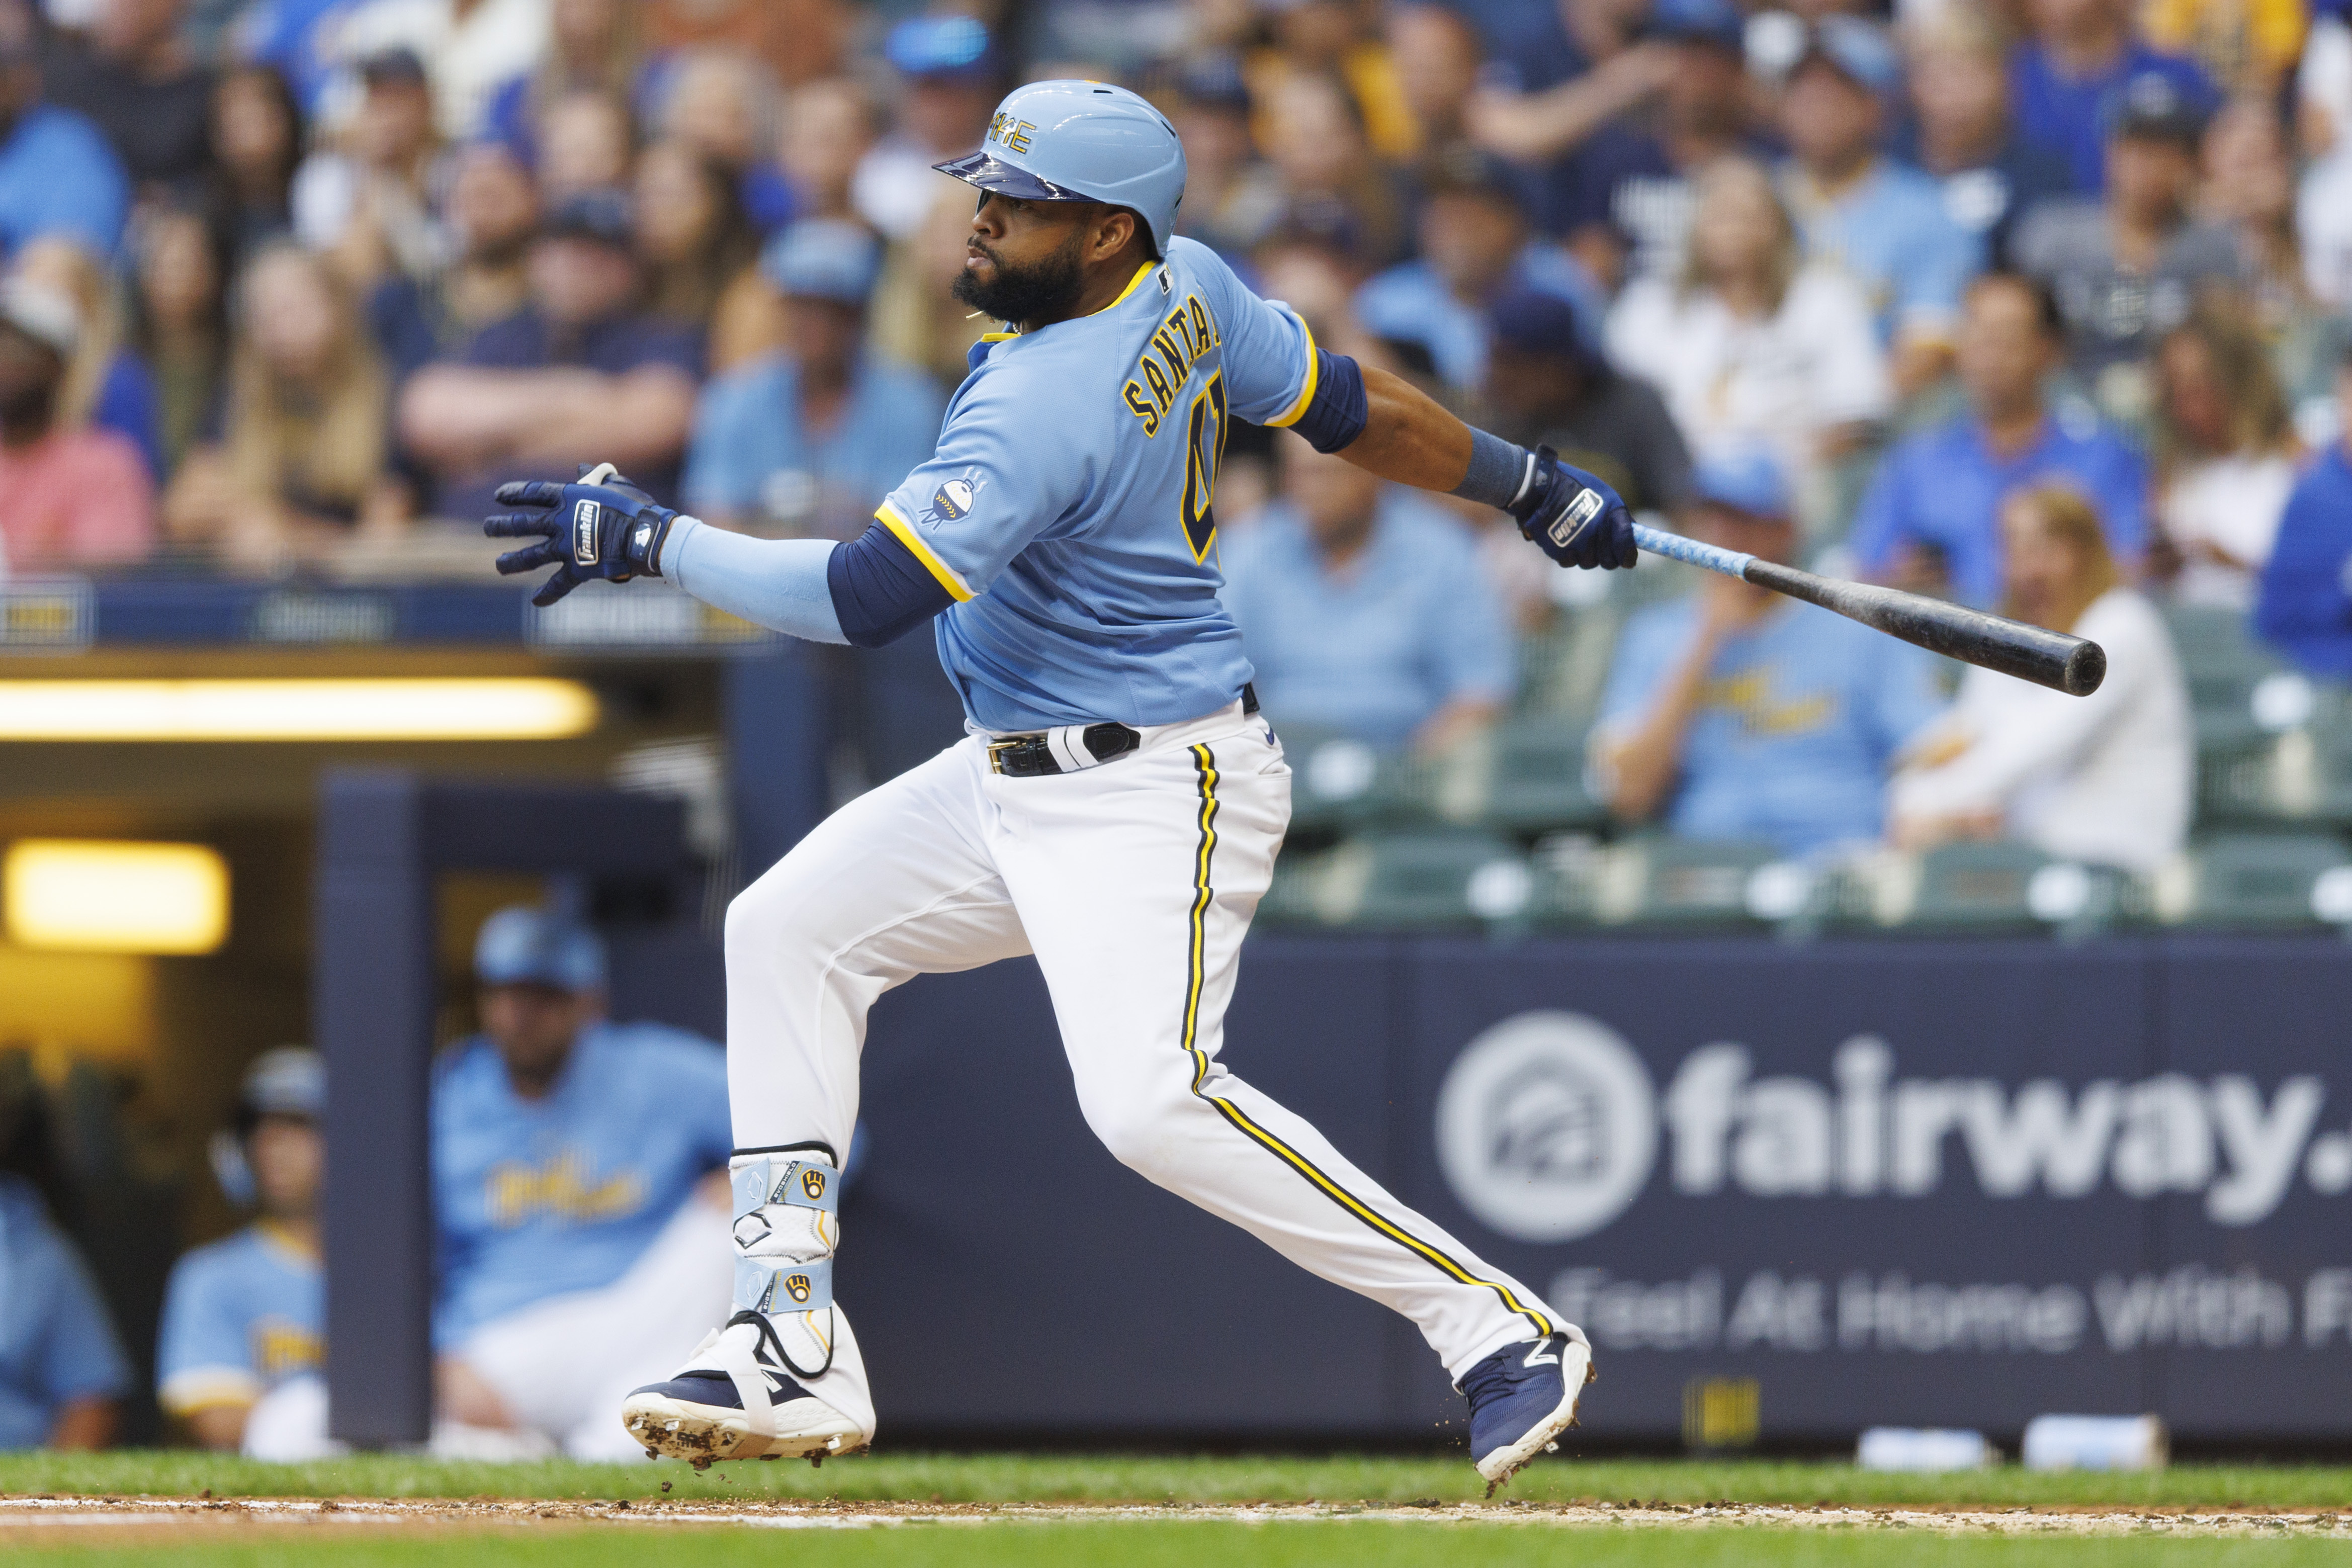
1572	516
585	518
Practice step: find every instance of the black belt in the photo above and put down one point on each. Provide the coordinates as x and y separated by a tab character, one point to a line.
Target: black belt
1028	756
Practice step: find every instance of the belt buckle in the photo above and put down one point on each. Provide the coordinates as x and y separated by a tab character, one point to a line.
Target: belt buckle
996	750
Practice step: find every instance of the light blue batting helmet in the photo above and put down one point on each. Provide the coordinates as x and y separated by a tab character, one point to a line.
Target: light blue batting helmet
1081	141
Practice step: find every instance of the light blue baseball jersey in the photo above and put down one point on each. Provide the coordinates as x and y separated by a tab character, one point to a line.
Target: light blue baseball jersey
538	1197
56	1342
240	1317
1067	510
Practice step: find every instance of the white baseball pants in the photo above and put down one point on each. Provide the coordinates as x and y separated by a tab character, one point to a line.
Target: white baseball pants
1133	882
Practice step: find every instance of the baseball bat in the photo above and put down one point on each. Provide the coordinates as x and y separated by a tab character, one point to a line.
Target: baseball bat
2030	653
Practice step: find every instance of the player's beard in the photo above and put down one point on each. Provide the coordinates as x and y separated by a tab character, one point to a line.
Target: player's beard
1046	290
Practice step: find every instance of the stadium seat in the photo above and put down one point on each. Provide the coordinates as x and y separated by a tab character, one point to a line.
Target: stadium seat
1339	782
2250	880
2220	658
2284	755
1536	781
1681	884
1404	881
1983	889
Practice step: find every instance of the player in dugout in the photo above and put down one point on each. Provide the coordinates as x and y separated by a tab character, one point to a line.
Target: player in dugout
1117	808
245	1317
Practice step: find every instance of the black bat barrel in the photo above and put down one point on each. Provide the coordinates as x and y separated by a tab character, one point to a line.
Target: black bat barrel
2049	658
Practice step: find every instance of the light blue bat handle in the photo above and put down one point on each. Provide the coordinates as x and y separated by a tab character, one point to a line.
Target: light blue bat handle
1690	551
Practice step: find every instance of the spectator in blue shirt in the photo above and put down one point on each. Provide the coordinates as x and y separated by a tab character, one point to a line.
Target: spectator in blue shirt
578	375
1884	224
808	441
2306	599
61	1369
247	1314
1363	609
1929	520
582	1248
1475	247
2065	80
58	175
1735	714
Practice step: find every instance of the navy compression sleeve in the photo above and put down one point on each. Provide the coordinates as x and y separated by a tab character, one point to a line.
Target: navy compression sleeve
1336	414
880	590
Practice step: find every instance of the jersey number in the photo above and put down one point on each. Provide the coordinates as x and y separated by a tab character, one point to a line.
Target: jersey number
1204	450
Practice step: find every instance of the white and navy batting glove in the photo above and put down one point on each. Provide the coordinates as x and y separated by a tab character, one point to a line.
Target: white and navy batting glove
1573	517
602	526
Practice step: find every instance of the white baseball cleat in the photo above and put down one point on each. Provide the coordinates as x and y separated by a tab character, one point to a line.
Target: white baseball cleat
737	1398
1522	1398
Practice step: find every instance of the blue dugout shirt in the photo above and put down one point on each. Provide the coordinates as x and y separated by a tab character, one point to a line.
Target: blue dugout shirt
57	1339
1410	626
58	175
2306	606
1800	717
1412	304
1943	488
2068	115
752	453
1068	509
538	1197
240	1317
1889	232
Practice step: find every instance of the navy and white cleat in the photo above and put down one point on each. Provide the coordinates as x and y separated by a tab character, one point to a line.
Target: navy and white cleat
737	1399
1522	1398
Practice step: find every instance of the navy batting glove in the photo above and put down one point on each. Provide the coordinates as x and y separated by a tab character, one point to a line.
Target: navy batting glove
1573	517
602	526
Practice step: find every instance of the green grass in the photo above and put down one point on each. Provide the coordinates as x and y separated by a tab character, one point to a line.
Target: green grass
1369	1546
1075	1477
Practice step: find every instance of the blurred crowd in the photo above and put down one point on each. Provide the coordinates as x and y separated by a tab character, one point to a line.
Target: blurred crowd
2035	304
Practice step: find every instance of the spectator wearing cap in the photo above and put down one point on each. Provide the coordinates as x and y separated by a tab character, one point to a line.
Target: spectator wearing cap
2305	605
1232	199
1737	713
1883	223
2128	269
246	1315
1475	247
2083	58
808	439
1928	519
578	375
492	208
2105	778
1963	136
69	498
950	72
368	199
1752	345
58	172
134	77
1623	201
467	49
582	1249
1547	385
1364	609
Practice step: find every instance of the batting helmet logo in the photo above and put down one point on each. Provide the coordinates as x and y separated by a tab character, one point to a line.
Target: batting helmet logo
585	521
796	1285
813	1183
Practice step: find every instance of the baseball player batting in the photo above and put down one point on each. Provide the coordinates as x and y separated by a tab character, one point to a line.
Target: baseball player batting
1117	806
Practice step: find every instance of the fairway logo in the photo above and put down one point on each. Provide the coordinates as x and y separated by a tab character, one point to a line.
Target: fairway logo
1547	1126
953	501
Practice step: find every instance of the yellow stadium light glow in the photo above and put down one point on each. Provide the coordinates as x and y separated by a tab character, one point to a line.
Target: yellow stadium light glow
359	709
95	895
